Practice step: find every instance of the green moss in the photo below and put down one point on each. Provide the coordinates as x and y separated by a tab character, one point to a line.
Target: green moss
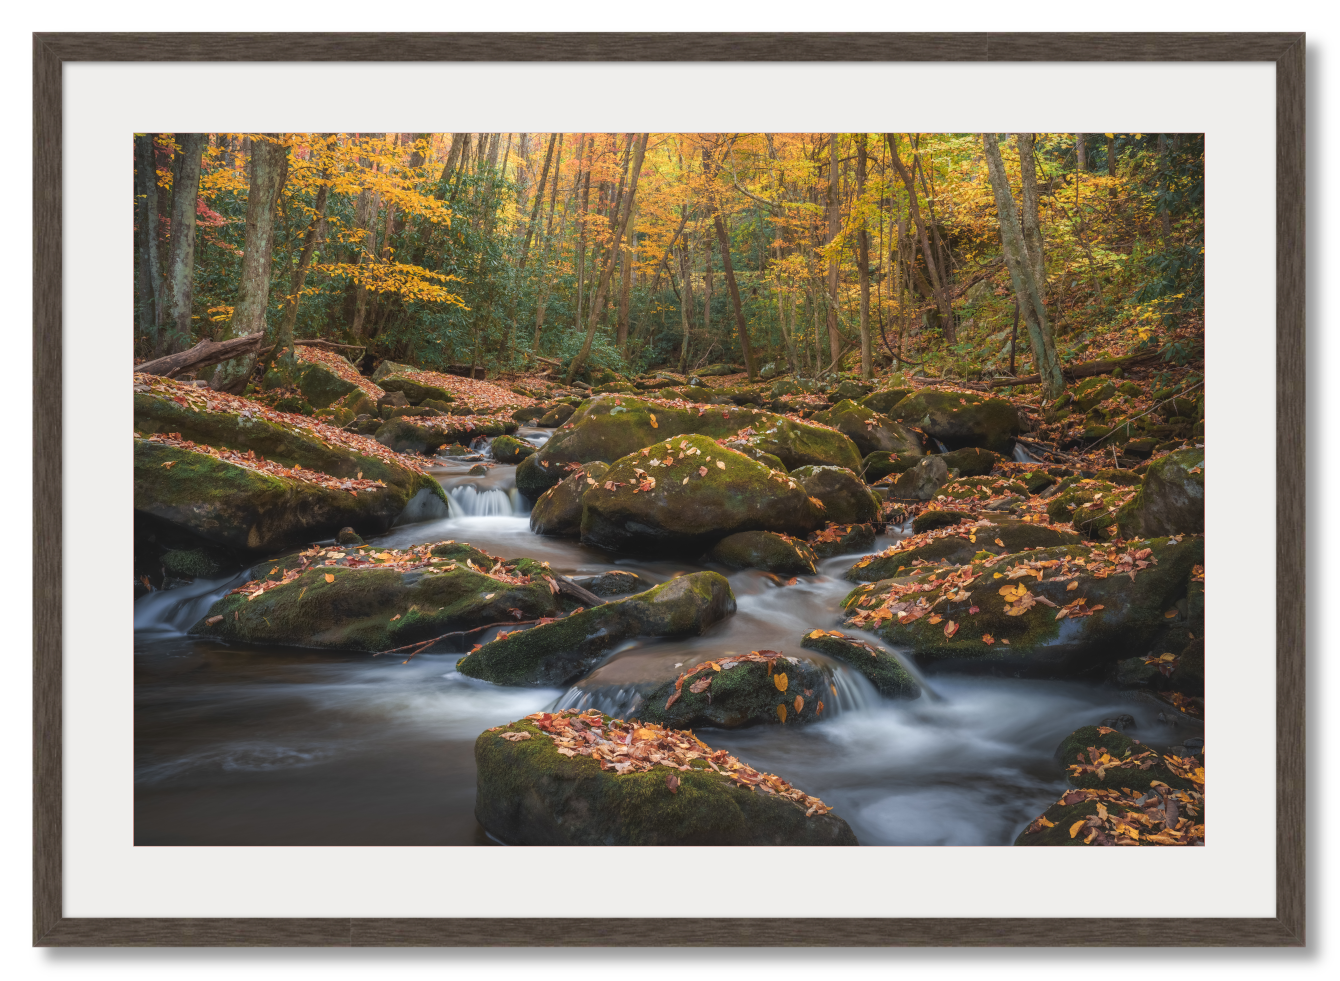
558	510
844	496
764	550
417	392
1171	499
882	668
957	549
885	399
322	387
507	449
878	465
530	794
745	694
869	430
960	420
1074	750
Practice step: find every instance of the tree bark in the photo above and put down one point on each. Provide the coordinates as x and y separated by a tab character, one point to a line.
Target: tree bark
146	240
834	230
1081	160
1026	289
863	264
685	298
939	293
626	281
311	240
202	355
1032	228
613	255
1112	165
181	257
539	202
267	162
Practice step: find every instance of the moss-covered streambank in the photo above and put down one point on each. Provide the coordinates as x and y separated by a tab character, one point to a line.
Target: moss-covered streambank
559	653
1068	611
590	780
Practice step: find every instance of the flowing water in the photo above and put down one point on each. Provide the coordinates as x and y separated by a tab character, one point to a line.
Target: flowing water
282	746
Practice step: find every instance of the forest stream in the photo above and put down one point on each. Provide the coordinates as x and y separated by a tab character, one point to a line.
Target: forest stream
285	746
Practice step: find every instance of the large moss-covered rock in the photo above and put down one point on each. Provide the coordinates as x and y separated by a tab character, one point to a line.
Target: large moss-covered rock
958	420
841	540
559	653
878	465
844	496
922	482
1088	393
687	493
972	461
389	368
612	426
508	449
869	430
1077	631
556	416
848	389
416	391
1128	763
284	443
427	435
558	511
244	509
322	387
885	399
368	608
1171	501
530	793
764	550
957	544
764	688
613	583
1091	505
882	668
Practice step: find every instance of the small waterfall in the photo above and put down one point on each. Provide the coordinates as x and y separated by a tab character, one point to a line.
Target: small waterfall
468	501
941	446
619	703
1021	455
175	611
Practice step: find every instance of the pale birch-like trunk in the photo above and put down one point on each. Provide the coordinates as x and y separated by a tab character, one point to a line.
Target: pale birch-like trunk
146	244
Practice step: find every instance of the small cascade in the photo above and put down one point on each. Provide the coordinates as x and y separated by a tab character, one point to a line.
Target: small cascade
1021	455
941	446
618	703
468	501
175	611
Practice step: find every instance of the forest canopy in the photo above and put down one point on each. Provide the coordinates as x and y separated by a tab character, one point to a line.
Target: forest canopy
813	253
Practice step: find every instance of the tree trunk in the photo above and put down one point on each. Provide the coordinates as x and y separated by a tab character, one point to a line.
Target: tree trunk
834	230
1112	165
181	257
685	299
1081	161
147	273
253	295
1032	228
939	293
1026	289
539	202
863	264
311	240
626	281
608	271
542	301
588	160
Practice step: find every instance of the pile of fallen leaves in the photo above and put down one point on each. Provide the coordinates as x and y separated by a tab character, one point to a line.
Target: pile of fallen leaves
769	659
207	400
478	395
340	366
634	747
250	461
1159	816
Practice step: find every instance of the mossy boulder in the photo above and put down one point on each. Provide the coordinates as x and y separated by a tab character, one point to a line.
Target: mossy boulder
933	518
792	386
404	436
850	390
389	368
868	429
713	370
559	653
245	509
416	391
982	489
960	544
374	609
885	399
294	404
613	583
1013	636
754	453
612	426
922	482
556	416
1118	477
508	449
878	465
1171	499
842	540
285	443
844	497
958	420
530	794
558	511
1036	481
618	386
687	493
1091	505
1134	764
1089	393
884	670
776	691
764	550
528	414
322	387
971	461
358	402
193	563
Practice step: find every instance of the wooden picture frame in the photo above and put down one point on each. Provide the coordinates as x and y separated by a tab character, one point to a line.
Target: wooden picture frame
52	51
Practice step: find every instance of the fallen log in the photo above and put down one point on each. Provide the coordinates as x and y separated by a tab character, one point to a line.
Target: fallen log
203	355
318	342
1087	369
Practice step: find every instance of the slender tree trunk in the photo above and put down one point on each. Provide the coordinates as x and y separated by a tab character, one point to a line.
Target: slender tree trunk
1081	161
539	202
937	281
863	262
146	239
284	339
365	219
1112	165
181	260
626	281
685	299
542	301
608	271
588	160
163	157
834	230
1026	289
253	295
1032	227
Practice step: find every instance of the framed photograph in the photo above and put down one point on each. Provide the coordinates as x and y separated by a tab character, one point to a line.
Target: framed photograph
582	452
